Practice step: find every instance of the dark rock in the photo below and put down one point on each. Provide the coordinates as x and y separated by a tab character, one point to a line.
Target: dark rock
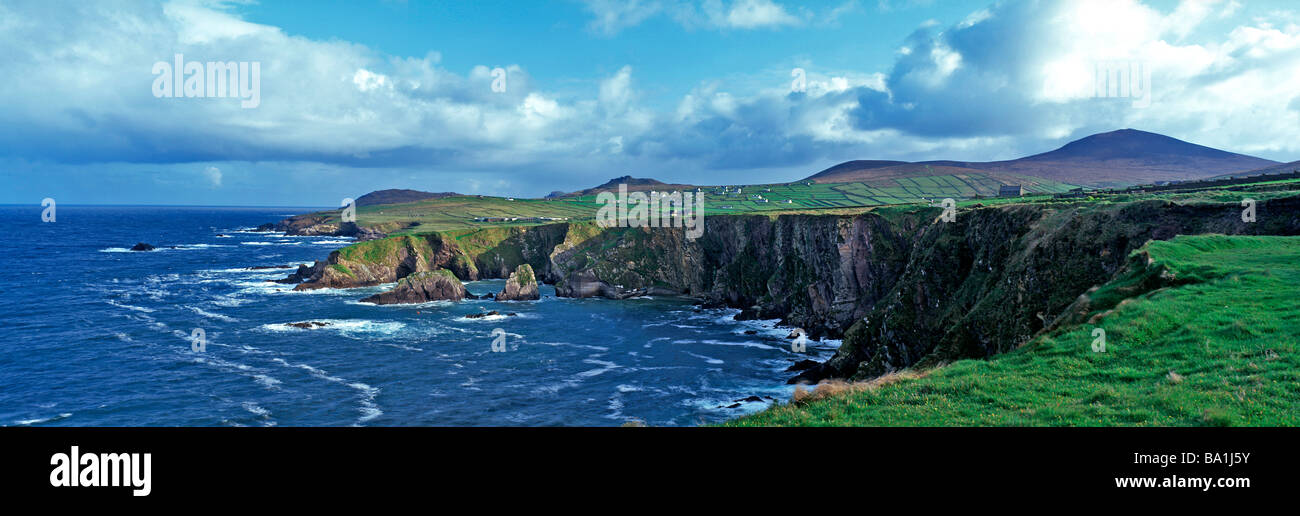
751	399
747	314
141	246
802	365
751	332
308	325
481	315
304	273
422	287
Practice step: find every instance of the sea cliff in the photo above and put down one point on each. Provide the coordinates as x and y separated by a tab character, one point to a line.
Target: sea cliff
901	286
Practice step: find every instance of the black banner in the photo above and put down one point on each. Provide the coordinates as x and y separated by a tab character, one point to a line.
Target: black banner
292	463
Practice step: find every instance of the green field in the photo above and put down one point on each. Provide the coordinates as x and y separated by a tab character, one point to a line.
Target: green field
1214	344
459	212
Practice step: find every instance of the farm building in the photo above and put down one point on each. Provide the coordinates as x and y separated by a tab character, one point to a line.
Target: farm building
1011	191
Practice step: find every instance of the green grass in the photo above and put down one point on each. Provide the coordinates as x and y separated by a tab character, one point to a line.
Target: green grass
1216	343
459	212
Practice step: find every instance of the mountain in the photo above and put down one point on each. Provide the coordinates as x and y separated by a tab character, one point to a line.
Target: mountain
634	184
396	196
1123	157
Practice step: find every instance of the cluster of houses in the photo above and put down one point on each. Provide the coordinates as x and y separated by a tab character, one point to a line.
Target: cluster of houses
520	219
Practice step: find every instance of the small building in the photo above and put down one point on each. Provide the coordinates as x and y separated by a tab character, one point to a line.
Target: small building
1011	191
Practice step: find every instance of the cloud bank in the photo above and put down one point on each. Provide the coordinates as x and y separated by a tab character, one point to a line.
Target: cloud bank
1008	80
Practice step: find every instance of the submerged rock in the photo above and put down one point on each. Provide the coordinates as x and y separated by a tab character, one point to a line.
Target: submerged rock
802	365
422	287
141	246
520	286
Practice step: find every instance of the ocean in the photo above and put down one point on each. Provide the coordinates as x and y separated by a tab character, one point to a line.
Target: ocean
97	335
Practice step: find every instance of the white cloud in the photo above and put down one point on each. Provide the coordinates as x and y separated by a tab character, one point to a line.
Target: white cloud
994	85
611	16
749	14
213	175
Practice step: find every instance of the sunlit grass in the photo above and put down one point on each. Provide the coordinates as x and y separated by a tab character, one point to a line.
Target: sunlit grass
1220	350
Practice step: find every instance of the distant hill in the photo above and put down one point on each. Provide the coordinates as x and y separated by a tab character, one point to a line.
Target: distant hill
397	196
1275	169
634	184
1126	156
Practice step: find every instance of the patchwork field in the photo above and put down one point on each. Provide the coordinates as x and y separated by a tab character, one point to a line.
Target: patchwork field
461	211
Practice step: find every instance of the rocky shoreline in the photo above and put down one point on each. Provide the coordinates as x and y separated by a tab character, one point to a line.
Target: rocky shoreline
901	287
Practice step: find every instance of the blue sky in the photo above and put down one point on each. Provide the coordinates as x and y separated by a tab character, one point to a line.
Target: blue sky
357	96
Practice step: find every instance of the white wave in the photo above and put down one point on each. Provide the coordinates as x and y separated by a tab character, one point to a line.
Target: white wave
130	307
710	360
211	315
254	409
605	368
256	243
569	344
332	242
27	422
746	344
186	247
427	304
369	409
347	327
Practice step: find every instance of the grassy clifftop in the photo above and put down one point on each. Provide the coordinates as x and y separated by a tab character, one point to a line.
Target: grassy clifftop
1199	330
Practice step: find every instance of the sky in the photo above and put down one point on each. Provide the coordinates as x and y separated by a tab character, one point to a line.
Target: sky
523	98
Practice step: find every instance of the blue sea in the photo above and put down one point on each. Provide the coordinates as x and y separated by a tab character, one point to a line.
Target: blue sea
96	335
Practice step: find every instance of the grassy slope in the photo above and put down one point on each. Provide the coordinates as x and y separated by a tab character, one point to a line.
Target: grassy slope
459	212
1219	349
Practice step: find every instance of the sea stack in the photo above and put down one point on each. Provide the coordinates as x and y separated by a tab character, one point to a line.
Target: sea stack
520	286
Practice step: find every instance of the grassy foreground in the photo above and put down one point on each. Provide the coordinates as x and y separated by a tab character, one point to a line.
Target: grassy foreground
1215	345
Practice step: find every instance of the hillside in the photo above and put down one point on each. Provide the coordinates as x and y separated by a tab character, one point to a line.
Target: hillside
633	184
1123	157
1272	169
469	211
1200	330
395	196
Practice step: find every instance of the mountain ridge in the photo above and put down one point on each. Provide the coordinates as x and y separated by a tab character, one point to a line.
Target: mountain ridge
1124	156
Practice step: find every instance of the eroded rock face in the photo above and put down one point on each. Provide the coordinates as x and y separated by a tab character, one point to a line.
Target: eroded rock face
520	286
422	287
900	286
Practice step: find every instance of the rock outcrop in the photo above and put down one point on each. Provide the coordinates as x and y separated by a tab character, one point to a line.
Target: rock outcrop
422	287
141	246
520	286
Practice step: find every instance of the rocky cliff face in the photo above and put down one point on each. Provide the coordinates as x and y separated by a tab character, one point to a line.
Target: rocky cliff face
994	278
470	255
422	287
520	286
898	284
